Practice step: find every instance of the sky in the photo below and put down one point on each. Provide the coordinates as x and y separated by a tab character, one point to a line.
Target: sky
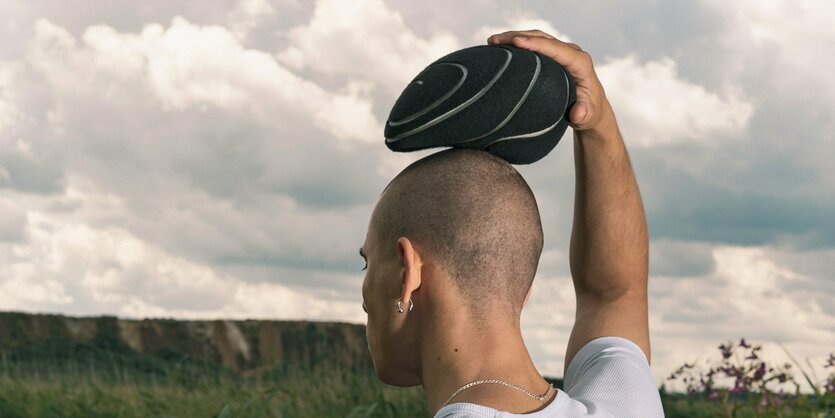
220	159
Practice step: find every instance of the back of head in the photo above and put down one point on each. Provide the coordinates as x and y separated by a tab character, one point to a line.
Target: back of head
476	216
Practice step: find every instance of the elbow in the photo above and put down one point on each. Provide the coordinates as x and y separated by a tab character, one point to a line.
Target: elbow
611	290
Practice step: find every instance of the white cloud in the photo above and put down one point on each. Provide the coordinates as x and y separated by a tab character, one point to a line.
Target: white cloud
788	37
656	106
189	66
24	293
782	51
10	115
65	261
771	297
246	15
748	295
203	158
519	23
367	41
547	320
12	221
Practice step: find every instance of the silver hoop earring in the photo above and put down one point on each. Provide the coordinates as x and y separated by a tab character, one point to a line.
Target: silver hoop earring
400	308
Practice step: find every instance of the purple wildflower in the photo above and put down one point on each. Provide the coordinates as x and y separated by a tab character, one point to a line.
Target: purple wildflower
778	398
830	362
737	386
830	385
760	372
726	350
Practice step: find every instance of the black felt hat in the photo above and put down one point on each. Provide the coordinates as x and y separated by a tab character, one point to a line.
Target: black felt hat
505	100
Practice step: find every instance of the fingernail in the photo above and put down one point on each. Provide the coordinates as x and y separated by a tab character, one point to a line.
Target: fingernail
521	38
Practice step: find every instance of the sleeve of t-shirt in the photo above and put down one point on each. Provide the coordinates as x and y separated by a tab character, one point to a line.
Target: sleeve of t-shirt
611	377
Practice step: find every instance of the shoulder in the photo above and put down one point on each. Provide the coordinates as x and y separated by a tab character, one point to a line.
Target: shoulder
609	377
613	374
562	406
465	410
604	350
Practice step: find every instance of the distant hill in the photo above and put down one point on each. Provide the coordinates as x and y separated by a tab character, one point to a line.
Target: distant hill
245	347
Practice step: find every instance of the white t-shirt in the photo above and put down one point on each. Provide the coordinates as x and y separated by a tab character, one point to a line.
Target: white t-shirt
608	377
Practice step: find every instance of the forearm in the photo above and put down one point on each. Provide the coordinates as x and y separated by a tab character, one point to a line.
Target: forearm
609	250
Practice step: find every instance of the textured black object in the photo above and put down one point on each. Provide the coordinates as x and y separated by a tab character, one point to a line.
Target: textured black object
506	100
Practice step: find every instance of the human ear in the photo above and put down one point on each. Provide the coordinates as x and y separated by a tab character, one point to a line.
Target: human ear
411	268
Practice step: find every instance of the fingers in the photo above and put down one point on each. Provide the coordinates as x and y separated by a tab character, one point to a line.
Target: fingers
591	106
574	59
533	32
575	46
563	52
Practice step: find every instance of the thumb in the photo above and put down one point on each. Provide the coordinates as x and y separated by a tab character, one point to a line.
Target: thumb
580	114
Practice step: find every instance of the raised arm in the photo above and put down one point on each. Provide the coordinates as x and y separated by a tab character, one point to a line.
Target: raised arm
609	251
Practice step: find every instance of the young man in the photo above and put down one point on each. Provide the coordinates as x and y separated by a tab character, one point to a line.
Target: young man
452	248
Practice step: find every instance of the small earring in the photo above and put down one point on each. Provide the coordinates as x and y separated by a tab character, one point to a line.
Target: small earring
400	308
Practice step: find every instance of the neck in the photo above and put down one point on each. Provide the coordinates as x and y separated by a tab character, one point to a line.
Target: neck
455	352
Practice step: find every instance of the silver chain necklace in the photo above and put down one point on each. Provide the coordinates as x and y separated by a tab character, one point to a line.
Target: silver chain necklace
540	398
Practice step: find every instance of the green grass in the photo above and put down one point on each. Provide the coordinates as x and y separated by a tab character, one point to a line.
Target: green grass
105	379
318	393
92	390
684	406
47	371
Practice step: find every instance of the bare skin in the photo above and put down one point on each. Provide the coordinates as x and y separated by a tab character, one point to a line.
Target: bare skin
609	266
453	353
609	250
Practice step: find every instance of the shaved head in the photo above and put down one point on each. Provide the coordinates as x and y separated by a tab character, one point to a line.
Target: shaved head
476	217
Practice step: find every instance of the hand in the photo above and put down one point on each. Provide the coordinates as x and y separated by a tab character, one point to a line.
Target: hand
591	111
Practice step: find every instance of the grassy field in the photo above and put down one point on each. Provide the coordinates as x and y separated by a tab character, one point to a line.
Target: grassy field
103	377
192	392
188	390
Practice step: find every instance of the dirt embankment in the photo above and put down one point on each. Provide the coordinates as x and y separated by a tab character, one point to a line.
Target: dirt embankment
244	346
